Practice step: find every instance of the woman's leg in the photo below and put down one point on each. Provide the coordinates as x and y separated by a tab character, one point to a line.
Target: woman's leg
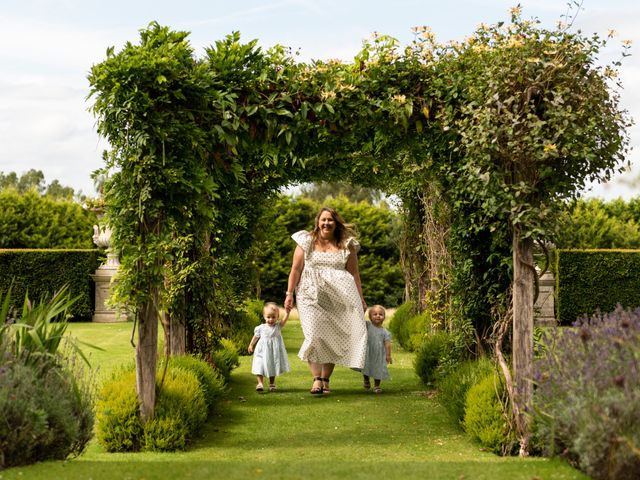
316	371
327	370
259	386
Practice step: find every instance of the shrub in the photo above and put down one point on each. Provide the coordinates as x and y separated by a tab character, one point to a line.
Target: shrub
46	414
430	355
211	381
398	325
42	272
118	424
453	387
46	398
181	409
243	321
485	419
225	358
180	405
587	397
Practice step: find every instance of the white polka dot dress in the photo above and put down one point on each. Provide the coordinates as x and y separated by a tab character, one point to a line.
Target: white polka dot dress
330	307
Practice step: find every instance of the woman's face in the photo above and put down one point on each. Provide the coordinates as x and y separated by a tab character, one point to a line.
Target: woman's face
326	224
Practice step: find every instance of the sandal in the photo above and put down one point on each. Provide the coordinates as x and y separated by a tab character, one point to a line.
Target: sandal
325	385
259	387
377	390
314	389
272	388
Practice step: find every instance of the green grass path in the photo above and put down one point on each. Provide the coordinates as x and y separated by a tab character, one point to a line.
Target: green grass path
350	434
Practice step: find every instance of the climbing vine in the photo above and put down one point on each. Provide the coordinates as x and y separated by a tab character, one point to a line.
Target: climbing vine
490	132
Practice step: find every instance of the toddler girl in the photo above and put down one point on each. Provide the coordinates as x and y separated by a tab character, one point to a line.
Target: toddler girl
270	355
378	349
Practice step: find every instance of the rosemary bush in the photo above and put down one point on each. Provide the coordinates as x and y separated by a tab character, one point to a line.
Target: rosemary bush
587	397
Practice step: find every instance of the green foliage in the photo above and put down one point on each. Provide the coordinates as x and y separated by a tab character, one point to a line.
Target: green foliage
485	418
211	382
225	358
118	424
46	399
382	280
591	280
453	387
242	323
399	322
40	273
594	223
587	395
181	410
30	220
432	353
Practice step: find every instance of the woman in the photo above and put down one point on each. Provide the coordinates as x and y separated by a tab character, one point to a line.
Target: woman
325	278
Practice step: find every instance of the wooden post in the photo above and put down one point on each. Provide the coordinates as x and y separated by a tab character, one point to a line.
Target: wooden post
146	356
523	290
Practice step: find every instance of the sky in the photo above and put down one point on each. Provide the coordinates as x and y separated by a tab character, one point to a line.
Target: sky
47	48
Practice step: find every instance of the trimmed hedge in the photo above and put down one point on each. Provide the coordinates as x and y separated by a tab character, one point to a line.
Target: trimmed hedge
181	410
43	272
591	280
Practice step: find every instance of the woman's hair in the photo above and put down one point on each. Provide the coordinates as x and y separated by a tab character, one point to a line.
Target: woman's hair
377	307
343	232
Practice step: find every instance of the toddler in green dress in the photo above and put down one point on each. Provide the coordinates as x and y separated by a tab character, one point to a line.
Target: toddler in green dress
378	349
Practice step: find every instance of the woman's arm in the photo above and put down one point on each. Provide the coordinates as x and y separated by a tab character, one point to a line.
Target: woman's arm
294	277
352	268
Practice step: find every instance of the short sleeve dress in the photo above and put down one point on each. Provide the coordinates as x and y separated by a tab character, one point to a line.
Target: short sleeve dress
330	307
270	354
375	364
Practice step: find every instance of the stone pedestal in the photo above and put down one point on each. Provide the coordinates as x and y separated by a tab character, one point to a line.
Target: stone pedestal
544	310
102	278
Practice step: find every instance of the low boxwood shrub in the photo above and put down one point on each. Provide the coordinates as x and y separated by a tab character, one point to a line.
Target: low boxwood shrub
453	387
211	381
118	424
181	409
485	418
434	350
243	322
225	358
587	395
399	323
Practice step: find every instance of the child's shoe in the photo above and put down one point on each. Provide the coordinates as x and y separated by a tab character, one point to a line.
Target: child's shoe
259	387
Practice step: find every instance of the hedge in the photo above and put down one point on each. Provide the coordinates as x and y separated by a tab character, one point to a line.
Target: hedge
42	272
591	280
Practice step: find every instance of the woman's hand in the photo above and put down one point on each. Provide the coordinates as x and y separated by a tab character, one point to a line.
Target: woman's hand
288	302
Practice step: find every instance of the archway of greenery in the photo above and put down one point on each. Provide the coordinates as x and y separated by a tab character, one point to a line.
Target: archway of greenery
479	139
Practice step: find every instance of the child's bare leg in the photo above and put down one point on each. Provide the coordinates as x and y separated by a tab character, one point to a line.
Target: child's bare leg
259	386
272	383
366	382
376	386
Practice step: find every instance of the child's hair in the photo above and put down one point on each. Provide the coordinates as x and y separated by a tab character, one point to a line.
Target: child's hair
377	307
271	306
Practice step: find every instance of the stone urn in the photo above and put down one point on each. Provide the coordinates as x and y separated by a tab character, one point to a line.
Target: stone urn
103	278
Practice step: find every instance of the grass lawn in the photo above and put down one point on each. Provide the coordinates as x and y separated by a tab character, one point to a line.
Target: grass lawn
350	434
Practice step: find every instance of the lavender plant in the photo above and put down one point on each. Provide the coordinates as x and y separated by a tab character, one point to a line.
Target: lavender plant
587	397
